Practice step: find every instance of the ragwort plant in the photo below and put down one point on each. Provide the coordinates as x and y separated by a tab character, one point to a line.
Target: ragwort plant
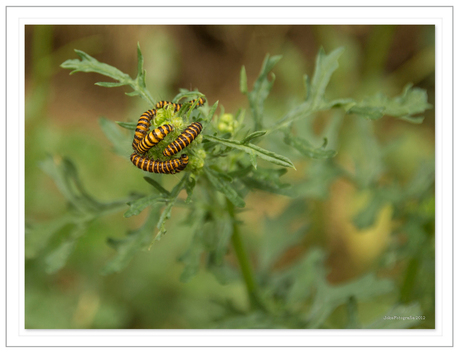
223	169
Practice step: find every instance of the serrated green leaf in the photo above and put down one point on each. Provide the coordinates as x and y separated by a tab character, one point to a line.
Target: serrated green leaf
189	187
305	148
137	206
55	260
411	101
90	64
135	241
251	148
243	81
261	89
268	180
166	214
191	258
37	236
328	297
225	188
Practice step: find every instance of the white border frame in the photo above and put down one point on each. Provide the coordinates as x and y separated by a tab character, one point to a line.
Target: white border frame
18	17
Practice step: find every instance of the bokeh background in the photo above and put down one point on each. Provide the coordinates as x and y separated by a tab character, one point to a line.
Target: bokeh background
62	114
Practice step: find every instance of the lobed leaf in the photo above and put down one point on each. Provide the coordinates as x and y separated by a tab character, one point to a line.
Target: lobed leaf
305	148
224	187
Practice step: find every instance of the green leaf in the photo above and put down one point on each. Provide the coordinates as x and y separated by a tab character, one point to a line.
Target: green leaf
90	64
253	136
211	111
58	257
136	240
109	84
191	258
121	142
224	187
277	239
411	101
328	297
261	89
37	236
189	187
325	67
250	148
243	81
137	206
268	180
315	100
127	125
305	148
65	175
157	186
166	214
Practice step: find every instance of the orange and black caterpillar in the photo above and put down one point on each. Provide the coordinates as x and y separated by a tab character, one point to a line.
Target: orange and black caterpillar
168	167
143	124
183	140
153	138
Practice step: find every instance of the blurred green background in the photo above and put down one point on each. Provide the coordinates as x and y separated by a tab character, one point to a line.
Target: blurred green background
61	119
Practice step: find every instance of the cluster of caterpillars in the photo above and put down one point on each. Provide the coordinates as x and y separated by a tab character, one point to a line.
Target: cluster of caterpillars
145	140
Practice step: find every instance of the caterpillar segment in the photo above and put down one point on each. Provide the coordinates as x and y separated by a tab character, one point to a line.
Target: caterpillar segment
153	138
184	139
143	125
166	167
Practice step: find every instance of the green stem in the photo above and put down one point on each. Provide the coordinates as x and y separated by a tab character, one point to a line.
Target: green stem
243	260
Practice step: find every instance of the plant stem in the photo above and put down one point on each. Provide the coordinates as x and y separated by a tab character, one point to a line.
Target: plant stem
243	260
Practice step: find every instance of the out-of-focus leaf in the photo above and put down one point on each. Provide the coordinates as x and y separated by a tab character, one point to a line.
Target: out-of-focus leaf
302	276
166	214
280	235
412	101
137	206
189	187
261	89
191	258
325	66
243	81
120	141
352	312
305	148
268	180
328	297
128	125
38	235
320	175
58	257
135	241
224	187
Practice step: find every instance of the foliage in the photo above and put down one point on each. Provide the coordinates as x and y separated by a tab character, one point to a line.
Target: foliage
228	158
